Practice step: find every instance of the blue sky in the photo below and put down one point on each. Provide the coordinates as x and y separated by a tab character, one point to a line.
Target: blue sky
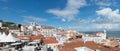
81	15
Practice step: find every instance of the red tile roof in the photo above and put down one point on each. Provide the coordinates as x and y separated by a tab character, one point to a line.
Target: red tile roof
23	37
65	49
99	32
38	37
88	44
79	40
91	45
114	43
74	44
50	40
107	48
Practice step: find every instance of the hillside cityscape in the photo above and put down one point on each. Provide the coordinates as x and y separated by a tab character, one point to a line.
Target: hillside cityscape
35	37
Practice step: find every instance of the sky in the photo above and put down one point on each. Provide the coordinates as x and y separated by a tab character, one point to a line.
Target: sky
80	15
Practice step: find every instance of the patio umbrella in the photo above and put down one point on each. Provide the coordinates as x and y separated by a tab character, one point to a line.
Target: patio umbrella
2	36
9	38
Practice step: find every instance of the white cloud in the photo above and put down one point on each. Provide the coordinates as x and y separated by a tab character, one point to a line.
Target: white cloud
107	26
104	3
95	27
108	19
70	11
13	10
29	19
82	21
20	11
63	20
101	20
112	15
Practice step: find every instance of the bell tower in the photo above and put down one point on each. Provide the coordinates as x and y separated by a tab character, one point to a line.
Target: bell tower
105	35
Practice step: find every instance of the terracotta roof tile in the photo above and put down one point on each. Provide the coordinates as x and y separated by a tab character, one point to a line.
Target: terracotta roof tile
106	48
91	45
79	40
66	49
99	32
113	43
38	37
32	37
74	44
23	37
50	40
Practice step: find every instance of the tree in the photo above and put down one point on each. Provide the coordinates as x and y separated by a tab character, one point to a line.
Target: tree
8	24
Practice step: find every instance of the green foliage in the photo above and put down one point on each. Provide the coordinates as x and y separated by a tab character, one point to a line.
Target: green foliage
8	24
1	30
4	30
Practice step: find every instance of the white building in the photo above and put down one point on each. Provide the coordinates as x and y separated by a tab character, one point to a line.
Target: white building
98	39
15	31
36	32
102	35
32	26
1	23
60	39
48	31
23	28
95	39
